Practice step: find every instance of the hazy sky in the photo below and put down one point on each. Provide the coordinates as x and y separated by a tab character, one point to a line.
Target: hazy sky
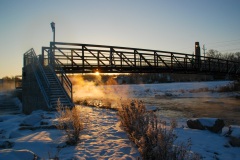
171	25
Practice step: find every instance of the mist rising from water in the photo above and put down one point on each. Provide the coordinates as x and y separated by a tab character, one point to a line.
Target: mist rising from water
97	93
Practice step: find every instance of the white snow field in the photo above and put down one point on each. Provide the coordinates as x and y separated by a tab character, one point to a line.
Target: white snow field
103	138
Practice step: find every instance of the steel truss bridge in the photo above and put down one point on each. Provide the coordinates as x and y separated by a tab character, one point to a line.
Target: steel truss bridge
45	78
88	58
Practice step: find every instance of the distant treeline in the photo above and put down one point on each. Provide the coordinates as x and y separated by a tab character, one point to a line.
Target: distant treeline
227	56
7	83
8	79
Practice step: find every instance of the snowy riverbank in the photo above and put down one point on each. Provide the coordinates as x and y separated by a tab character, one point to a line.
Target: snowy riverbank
103	138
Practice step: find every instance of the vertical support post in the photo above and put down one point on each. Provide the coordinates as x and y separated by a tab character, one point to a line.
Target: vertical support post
140	59
43	57
185	62
51	55
72	58
171	62
110	57
135	59
98	59
155	59
83	67
197	55
121	60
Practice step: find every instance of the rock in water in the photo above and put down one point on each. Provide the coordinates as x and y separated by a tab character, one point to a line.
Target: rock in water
212	124
234	135
195	124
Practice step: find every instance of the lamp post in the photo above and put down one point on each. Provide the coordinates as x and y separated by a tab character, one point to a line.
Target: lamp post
53	51
53	29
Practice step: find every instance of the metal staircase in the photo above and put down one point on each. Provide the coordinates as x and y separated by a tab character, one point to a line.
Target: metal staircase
56	91
51	84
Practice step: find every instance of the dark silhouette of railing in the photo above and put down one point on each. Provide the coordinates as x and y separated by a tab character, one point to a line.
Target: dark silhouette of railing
88	58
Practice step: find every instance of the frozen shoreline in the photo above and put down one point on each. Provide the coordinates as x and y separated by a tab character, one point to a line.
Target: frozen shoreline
103	138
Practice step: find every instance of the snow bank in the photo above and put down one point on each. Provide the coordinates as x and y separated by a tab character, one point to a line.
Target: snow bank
209	145
32	119
235	131
17	154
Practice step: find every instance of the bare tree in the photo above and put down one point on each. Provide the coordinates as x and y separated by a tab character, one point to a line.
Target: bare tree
214	54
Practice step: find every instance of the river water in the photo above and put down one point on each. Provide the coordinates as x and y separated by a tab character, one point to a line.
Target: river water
190	100
227	108
174	100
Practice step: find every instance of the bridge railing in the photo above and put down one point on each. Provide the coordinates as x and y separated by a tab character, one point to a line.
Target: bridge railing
87	58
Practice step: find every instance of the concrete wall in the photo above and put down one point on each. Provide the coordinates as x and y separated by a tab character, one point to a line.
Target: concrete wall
32	98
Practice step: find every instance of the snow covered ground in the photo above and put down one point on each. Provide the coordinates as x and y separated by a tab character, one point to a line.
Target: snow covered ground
103	138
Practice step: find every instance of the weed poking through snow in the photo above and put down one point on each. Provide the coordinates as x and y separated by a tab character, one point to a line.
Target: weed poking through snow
154	139
70	120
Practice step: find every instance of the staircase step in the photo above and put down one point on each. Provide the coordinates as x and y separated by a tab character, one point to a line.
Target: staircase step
56	90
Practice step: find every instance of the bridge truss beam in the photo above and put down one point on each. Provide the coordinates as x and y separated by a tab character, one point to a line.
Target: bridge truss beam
88	58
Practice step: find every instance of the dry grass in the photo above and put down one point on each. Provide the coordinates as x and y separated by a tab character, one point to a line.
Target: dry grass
154	139
70	120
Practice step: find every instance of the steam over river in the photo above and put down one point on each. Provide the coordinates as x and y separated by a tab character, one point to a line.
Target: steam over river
172	100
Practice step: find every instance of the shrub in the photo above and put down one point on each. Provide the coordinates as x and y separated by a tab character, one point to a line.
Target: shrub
70	120
152	136
133	119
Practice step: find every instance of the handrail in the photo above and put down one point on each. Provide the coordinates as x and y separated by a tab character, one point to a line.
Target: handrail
46	98
30	58
41	69
64	80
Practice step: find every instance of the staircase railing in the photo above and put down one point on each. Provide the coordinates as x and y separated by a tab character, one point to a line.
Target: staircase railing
63	78
30	58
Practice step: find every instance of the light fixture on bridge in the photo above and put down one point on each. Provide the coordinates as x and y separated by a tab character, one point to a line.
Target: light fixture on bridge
53	29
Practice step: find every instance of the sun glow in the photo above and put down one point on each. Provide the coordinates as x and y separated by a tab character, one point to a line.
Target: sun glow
97	73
